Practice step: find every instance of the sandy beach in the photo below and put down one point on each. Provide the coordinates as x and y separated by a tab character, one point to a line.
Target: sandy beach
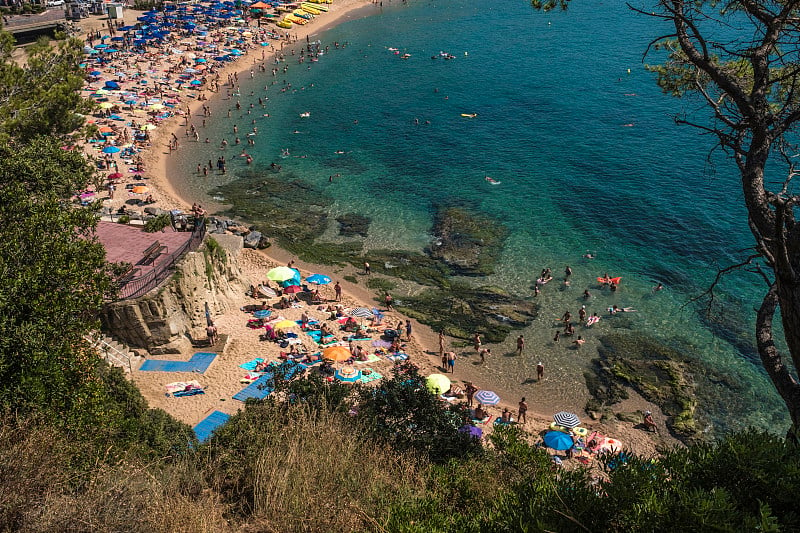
224	377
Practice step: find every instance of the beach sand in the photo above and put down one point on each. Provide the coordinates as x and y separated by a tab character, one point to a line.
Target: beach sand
222	379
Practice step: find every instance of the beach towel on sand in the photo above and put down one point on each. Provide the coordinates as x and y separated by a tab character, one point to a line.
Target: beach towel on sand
371	358
397	357
251	365
177	386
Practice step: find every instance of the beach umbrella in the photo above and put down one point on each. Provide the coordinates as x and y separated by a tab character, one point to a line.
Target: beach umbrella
115	175
281	273
111	150
148	127
361	312
558	440
106	105
336	353
140	189
105	129
487	397
348	374
156	107
292	289
437	383
318	279
283	324
609	445
566	419
473	431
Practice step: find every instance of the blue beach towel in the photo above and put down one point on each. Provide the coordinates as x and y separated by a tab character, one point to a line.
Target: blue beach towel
206	427
198	363
250	366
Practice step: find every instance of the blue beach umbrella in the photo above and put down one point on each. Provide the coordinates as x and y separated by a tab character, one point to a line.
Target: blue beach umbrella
348	374
111	150
318	279
558	440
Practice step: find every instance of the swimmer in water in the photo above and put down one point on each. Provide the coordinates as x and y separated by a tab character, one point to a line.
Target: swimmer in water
589	255
285	152
658	287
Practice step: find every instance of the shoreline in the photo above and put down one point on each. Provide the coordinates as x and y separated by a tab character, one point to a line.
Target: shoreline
157	164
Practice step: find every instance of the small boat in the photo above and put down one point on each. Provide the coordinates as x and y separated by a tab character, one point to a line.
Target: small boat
491	180
302	14
284	24
310	10
469	115
318	7
305	115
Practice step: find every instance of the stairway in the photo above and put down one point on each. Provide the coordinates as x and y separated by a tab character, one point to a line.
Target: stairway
115	352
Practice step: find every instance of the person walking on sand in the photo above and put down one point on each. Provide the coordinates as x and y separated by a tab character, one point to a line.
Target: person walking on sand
408	330
483	353
451	362
539	371
520	344
388	300
476	342
441	344
338	290
367	269
522	409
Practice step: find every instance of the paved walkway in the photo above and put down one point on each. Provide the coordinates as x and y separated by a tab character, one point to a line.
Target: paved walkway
128	243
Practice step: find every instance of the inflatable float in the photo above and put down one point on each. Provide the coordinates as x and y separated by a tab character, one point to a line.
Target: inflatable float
469	115
492	180
592	320
615	281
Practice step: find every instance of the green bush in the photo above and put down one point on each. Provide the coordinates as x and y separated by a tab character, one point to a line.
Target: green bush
157	224
123	219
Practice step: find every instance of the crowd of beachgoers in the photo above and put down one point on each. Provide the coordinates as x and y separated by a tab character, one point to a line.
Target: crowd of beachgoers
152	75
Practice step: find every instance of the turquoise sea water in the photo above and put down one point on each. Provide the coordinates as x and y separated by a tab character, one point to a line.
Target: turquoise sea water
581	140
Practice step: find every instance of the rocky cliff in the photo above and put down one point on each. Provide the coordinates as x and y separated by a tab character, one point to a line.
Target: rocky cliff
165	319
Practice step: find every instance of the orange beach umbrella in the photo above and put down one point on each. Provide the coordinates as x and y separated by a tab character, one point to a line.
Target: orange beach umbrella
336	353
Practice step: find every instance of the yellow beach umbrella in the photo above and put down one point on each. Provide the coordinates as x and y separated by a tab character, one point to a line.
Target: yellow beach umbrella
283	324
148	127
106	105
156	107
336	353
437	383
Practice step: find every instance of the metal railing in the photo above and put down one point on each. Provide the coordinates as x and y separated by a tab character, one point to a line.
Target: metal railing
113	356
136	287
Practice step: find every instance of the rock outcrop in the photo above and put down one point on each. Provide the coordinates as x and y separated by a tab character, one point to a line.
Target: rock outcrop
162	321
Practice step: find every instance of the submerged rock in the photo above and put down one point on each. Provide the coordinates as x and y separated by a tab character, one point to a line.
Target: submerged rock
662	374
467	242
353	225
461	310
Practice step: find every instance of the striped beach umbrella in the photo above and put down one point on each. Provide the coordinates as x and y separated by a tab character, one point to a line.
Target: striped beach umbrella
566	419
361	312
487	397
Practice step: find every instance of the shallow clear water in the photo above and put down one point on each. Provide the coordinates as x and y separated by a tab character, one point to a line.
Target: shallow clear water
575	130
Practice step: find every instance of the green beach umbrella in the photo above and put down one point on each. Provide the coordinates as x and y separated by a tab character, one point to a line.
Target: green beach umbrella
437	383
281	273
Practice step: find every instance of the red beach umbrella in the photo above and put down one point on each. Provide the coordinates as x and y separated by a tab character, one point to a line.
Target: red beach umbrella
292	289
115	175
